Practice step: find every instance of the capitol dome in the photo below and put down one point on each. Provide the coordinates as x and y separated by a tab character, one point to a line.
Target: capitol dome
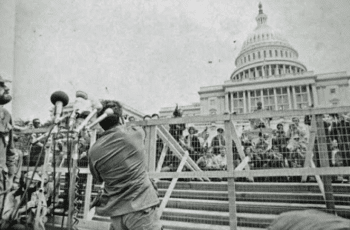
266	53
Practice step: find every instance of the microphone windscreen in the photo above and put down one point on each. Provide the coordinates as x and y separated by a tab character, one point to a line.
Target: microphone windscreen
81	94
59	96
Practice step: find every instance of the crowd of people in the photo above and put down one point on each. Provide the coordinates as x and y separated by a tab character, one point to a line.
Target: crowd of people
282	147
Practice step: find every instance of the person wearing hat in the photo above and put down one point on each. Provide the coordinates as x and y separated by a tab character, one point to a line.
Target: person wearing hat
146	117
193	144
7	153
218	141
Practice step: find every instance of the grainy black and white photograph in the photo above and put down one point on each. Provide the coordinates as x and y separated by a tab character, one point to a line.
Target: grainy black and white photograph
174	115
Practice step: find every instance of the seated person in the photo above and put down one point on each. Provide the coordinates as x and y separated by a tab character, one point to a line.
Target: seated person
280	138
221	159
262	145
297	151
294	129
207	161
274	158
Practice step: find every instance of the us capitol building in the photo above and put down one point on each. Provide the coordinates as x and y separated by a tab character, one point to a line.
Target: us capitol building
268	70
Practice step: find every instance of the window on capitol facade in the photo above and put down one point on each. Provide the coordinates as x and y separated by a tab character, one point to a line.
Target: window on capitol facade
269	99
301	97
238	102
282	98
255	96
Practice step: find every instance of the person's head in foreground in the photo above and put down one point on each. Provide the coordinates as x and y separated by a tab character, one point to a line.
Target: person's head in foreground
114	119
5	96
309	220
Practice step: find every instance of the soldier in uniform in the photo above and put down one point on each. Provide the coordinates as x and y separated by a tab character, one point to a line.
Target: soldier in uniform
7	152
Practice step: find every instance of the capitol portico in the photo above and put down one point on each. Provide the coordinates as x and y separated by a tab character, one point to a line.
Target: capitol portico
268	70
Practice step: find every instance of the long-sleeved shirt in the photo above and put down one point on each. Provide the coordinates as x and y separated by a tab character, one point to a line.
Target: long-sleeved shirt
7	152
117	158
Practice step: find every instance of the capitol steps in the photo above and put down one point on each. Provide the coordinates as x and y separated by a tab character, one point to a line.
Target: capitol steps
205	206
258	204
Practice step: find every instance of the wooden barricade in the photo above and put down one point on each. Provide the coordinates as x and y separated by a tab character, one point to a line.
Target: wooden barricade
156	129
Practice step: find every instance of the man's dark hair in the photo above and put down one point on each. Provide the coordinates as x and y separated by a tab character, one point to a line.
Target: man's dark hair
114	105
111	120
36	120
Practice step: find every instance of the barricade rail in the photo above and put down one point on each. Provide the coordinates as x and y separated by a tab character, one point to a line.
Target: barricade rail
321	157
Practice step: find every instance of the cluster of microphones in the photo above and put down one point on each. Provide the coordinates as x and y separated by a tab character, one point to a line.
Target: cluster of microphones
60	99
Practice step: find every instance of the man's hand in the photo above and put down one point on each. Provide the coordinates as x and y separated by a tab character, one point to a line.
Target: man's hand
15	186
9	182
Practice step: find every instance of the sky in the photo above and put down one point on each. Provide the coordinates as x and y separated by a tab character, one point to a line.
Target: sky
154	54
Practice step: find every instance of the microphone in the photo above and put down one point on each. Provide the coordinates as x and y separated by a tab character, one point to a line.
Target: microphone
97	106
35	140
107	112
62	118
59	99
81	97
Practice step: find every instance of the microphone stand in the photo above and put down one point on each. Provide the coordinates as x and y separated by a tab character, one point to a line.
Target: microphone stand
72	184
73	188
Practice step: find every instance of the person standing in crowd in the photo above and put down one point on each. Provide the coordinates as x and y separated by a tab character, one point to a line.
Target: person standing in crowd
218	141
7	152
192	144
36	123
176	130
117	158
281	141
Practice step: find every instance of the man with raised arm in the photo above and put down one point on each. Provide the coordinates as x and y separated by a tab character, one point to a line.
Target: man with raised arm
117	159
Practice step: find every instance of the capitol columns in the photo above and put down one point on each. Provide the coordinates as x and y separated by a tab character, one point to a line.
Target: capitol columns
249	101
244	102
226	102
294	98
232	107
308	95
314	94
289	98
275	97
